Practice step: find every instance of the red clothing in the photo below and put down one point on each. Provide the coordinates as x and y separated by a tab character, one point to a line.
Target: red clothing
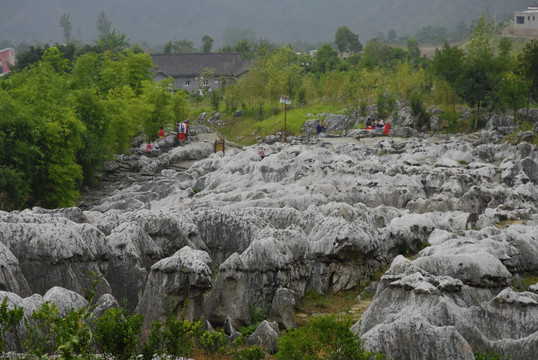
149	148
161	133
387	128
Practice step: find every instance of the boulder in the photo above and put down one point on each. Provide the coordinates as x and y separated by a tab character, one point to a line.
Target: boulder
283	309
183	276
265	336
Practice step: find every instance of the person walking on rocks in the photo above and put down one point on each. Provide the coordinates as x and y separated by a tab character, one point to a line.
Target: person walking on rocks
186	125
261	152
149	148
319	129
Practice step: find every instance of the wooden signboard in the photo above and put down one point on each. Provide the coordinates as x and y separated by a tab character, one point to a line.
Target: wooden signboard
219	145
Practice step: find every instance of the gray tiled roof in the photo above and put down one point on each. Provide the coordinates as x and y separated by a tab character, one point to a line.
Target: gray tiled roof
222	64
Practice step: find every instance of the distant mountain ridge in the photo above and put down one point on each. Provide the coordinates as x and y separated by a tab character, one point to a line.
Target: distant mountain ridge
158	21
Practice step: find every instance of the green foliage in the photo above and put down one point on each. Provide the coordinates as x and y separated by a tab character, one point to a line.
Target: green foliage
514	90
257	314
326	59
181	47
116	333
179	335
113	41
487	356
48	333
314	298
214	344
207	43
175	337
9	318
417	108
324	337
253	353
386	104
153	346
528	60
346	40
61	120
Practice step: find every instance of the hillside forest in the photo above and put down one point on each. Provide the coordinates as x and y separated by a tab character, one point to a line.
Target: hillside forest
67	109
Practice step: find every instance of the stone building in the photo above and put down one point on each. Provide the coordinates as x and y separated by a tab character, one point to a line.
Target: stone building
199	71
526	21
7	59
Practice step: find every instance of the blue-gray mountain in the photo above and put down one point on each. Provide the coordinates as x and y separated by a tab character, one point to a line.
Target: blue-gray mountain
158	21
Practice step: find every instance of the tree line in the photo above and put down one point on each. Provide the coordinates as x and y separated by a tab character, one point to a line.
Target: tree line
66	109
481	74
61	119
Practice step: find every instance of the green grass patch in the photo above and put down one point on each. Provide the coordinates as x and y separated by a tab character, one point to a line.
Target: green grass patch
246	129
313	301
530	279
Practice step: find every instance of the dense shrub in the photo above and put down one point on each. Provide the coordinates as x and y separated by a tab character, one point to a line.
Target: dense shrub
325	337
116	333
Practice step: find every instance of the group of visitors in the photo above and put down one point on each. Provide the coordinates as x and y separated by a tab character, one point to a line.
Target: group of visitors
182	135
320	128
379	124
374	125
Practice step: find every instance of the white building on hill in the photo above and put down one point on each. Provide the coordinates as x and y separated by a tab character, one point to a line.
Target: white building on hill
526	22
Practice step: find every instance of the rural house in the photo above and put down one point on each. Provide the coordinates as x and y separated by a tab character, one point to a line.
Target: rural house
526	22
7	59
196	71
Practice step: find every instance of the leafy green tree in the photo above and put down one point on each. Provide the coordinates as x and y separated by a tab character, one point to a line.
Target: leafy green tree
474	86
18	154
214	344
91	111
447	64
57	132
346	40
326	59
528	67
413	49
104	24
157	107
175	337
29	57
245	48
117	333
112	41
48	333
392	37
9	318
65	24
179	47
514	90
207	43
478	83
377	53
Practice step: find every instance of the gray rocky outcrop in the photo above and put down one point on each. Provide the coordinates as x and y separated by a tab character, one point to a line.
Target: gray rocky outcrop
184	275
265	336
283	308
231	233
